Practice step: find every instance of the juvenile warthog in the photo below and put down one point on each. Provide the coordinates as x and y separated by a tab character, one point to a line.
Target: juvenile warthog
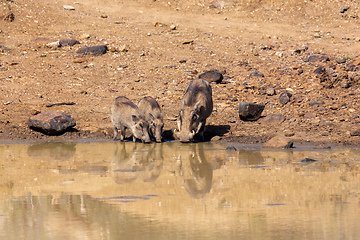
125	114
196	106
153	115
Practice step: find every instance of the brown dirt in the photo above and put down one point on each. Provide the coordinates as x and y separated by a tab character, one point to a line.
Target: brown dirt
238	37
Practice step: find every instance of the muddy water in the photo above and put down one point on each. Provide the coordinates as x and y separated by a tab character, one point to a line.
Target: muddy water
107	190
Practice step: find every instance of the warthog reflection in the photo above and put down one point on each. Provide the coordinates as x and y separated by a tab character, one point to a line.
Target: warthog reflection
195	172
132	161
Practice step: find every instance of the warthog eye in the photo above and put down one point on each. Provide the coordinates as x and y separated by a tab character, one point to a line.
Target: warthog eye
194	117
141	125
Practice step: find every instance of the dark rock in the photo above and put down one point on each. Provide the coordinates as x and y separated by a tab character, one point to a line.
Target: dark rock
352	68
95	50
256	74
355	132
284	97
317	58
308	160
273	119
51	123
344	9
279	142
68	42
340	61
320	70
212	76
250	111
316	103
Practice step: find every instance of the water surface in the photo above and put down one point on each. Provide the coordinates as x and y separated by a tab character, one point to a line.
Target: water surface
108	190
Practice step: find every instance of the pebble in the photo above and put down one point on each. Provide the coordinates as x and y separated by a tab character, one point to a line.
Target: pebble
68	7
182	60
172	27
344	9
273	119
53	44
68	42
84	36
284	97
279	142
79	60
355	132
187	41
256	74
319	70
316	103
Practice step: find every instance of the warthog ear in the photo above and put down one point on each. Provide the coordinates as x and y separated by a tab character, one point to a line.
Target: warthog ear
199	109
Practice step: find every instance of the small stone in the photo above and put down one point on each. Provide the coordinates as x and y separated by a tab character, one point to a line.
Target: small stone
53	44
124	48
84	36
344	9
68	42
256	74
316	103
270	91
355	132
250	111
182	60
187	41
289	133
212	76
68	7
320	70
308	160
95	50
51	123
172	27
273	119
79	60
104	16
279	142
284	97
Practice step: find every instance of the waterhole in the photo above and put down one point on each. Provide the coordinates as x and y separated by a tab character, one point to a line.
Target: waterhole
114	190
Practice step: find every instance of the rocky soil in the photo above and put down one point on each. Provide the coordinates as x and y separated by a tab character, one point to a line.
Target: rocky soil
298	58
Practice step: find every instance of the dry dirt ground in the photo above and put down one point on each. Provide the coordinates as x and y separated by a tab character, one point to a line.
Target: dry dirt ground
156	47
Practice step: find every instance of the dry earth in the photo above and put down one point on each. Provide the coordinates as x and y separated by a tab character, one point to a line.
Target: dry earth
156	47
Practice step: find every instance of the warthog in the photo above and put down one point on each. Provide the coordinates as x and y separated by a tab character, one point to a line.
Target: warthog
196	106
153	115
125	114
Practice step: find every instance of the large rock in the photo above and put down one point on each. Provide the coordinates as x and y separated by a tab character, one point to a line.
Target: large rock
250	111
95	50
51	123
273	119
212	76
279	142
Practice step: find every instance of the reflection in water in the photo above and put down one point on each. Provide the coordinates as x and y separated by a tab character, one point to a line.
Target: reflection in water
54	151
179	191
129	162
195	171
